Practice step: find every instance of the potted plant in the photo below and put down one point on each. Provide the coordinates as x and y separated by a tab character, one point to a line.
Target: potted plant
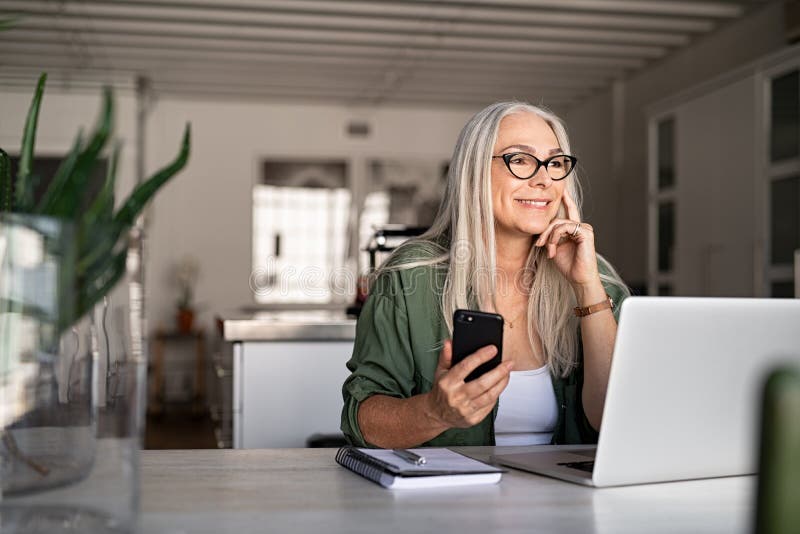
101	231
186	272
61	253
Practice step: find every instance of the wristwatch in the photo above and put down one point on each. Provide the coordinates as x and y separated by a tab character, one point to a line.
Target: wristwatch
588	310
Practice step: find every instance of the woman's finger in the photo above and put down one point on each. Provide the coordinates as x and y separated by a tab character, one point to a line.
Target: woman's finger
544	235
462	369
570	230
555	238
572	208
490	396
445	356
563	231
488	380
553	235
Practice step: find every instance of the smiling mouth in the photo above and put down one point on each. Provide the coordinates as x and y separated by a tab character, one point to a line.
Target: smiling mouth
533	203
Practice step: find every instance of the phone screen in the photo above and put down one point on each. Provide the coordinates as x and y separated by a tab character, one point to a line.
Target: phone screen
473	330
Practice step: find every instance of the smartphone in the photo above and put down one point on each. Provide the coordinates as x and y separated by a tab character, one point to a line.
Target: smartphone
473	330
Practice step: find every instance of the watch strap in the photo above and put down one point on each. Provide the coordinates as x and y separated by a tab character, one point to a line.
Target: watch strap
608	303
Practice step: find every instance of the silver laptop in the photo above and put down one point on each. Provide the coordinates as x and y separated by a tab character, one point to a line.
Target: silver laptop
684	394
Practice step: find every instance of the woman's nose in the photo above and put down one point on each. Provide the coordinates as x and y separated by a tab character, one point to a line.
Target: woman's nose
540	178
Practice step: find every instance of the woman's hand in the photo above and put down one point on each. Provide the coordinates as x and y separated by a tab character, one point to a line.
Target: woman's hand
458	404
573	253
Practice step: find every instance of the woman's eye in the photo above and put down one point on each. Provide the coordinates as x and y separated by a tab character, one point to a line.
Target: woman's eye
555	164
517	161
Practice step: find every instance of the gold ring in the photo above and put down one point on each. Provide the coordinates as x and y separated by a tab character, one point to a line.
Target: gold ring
577	229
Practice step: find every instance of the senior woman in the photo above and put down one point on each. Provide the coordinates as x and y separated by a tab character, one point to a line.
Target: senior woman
508	239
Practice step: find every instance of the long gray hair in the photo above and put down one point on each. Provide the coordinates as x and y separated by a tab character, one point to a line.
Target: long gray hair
462	240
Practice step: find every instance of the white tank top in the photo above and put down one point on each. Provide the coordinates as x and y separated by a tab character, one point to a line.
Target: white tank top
528	412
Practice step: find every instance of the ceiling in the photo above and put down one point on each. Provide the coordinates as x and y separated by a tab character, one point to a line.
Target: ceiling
407	52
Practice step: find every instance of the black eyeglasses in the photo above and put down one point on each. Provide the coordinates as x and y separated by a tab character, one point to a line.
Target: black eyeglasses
523	165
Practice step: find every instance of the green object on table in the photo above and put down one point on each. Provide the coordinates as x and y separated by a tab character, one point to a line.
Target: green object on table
778	499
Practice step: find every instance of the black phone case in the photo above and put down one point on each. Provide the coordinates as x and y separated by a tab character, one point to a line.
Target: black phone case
473	330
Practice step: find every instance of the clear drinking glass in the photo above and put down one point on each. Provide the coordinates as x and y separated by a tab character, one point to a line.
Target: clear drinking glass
71	396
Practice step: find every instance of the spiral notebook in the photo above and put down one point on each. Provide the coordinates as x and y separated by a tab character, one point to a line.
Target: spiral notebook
443	468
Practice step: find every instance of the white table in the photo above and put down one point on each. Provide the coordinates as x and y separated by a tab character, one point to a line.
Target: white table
304	490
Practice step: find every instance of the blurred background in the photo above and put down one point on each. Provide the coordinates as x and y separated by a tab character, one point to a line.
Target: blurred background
322	132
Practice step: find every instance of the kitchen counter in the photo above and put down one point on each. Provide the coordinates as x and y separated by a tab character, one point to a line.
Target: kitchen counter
288	370
306	325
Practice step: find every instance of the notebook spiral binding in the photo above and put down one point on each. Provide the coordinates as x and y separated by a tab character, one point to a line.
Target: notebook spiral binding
364	465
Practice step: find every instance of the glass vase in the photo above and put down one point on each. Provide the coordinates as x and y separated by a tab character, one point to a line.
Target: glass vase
71	396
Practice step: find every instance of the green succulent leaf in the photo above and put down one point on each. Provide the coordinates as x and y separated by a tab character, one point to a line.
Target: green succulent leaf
68	203
104	278
98	269
105	236
94	259
6	202
102	209
98	233
145	191
97	243
62	177
24	201
24	186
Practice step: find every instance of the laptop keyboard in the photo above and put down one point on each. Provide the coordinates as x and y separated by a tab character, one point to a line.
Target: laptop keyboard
587	466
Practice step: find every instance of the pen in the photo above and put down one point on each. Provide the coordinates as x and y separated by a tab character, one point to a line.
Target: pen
410	457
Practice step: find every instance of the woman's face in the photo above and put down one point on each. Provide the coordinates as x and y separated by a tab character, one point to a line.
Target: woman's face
525	206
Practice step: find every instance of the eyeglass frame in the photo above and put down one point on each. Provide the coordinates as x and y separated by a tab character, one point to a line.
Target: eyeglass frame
539	164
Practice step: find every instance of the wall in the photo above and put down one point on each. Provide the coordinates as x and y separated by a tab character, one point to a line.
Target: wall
589	132
206	211
744	40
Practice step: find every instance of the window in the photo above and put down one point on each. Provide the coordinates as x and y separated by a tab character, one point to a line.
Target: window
300	236
662	207
785	220
785	117
666	154
782	290
309	234
666	236
783	180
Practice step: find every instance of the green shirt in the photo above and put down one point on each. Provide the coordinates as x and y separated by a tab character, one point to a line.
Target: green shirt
398	338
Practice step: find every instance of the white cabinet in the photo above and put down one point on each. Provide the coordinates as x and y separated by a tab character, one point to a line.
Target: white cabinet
285	391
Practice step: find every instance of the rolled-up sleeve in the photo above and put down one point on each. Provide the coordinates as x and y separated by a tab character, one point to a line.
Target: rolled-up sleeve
382	361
